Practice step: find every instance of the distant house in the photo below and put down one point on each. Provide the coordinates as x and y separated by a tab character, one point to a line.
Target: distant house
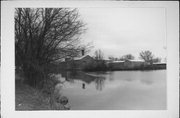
77	63
127	64
130	64
116	64
82	62
159	65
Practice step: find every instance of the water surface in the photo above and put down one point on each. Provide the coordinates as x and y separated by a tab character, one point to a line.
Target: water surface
117	90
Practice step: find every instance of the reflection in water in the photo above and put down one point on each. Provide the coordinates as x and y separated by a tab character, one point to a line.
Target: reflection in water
113	90
111	76
83	86
99	83
85	77
147	81
129	79
75	75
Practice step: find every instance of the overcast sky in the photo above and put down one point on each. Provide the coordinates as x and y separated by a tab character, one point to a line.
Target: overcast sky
119	31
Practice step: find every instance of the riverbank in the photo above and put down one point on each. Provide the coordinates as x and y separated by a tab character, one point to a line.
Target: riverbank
30	98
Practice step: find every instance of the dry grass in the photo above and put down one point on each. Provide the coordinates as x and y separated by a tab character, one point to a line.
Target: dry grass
28	98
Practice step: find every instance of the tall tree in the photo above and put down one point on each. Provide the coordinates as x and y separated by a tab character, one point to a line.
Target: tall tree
147	56
99	55
45	35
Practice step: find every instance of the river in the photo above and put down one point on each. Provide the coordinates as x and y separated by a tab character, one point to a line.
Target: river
116	90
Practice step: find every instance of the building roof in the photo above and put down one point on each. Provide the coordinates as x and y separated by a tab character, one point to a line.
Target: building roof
160	63
136	60
115	62
118	61
79	58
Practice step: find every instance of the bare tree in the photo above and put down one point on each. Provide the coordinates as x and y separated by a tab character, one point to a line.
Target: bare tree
99	55
45	35
147	56
127	57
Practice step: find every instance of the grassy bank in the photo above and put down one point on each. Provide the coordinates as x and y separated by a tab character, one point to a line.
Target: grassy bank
30	98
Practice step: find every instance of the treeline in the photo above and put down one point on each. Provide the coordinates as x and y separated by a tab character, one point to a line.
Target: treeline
102	65
146	55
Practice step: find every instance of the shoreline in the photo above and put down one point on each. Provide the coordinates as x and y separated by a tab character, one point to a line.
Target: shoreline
30	98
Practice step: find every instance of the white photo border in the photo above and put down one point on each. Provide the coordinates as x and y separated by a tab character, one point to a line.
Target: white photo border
8	60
